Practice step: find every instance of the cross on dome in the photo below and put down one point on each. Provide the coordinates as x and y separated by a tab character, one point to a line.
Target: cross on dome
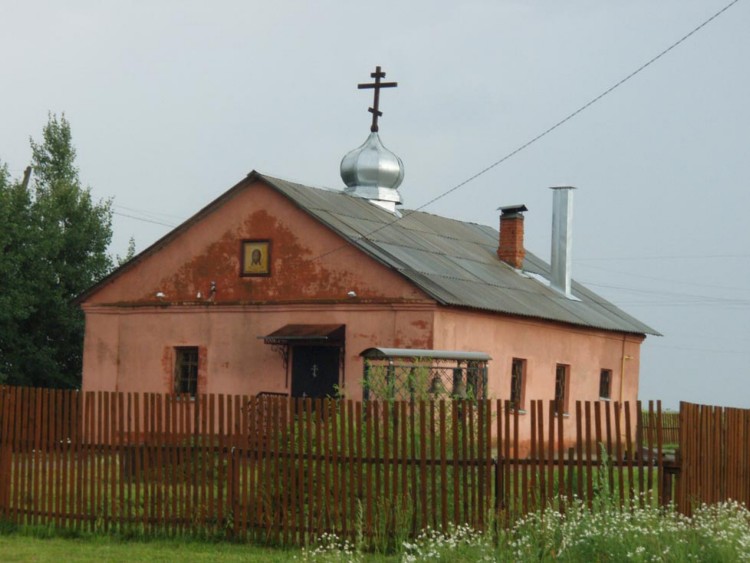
377	85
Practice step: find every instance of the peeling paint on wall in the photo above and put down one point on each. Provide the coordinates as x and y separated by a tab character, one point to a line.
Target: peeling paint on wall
295	271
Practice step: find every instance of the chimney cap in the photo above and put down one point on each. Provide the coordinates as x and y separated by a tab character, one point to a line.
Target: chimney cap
563	188
512	209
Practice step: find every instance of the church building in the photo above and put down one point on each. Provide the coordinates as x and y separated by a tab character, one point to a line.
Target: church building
280	288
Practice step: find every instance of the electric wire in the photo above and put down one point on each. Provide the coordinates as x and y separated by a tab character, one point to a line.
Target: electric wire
154	221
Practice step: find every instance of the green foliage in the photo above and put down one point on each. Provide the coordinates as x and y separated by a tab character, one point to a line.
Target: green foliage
54	240
128	255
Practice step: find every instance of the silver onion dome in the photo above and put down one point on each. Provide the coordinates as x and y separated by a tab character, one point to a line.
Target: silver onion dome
373	172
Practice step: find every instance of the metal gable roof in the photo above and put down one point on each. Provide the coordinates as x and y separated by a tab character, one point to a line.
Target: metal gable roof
455	262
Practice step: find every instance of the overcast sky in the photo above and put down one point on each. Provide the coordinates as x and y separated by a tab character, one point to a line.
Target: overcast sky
173	102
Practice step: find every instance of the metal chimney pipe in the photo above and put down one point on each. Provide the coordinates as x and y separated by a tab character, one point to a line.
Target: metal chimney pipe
562	238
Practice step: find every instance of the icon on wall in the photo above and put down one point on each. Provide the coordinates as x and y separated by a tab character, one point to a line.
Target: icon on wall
256	258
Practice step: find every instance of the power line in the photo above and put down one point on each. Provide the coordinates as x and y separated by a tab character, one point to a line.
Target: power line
658	293
672	257
147	212
155	222
549	129
666	280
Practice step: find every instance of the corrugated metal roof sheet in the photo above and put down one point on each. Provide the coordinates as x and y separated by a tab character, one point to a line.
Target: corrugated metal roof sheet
455	262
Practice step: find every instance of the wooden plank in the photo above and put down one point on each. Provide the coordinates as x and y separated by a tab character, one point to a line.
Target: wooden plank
25	443
610	451
120	452
660	457
533	457
273	456
471	464
64	476
376	465
335	444
561	454
638	451
354	469
164	473
434	470
77	461
286	469
589	461
487	459
56	473
423	522
220	484
15	434
16	456
387	440
630	452
580	491
619	456
455	405
256	490
137	454
600	444
718	455
507	481
403	421
551	493
212	508
413	465
480	466
359	435
204	458
519	471
541	466
649	457
113	475
170	452
237	434
89	474
368	471
6	451
443	469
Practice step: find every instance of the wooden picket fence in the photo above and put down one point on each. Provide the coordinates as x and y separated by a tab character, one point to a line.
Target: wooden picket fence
285	470
715	455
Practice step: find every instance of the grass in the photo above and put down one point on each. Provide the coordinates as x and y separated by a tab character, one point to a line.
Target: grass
604	532
25	547
21	547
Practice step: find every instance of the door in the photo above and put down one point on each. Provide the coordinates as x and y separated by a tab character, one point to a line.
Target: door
315	371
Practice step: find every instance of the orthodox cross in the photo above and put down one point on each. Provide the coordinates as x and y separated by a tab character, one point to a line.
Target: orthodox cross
377	85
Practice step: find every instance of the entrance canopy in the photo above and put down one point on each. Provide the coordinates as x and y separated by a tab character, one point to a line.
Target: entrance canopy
384	353
297	334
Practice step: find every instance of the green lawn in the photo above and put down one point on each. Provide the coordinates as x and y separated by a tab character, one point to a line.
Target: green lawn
25	548
18	547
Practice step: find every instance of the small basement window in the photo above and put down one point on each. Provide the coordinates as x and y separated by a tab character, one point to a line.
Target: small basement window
605	384
186	370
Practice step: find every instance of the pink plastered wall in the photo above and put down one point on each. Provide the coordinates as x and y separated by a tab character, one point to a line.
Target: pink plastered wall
544	344
133	349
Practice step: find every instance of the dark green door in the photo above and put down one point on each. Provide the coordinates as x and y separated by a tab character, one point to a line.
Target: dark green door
315	371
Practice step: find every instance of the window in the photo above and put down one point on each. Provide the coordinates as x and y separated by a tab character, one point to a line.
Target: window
517	383
186	370
605	384
562	381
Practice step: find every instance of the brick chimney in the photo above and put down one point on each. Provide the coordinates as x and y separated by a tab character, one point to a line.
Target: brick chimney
511	250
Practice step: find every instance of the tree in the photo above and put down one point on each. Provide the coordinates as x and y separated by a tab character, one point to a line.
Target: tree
55	248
